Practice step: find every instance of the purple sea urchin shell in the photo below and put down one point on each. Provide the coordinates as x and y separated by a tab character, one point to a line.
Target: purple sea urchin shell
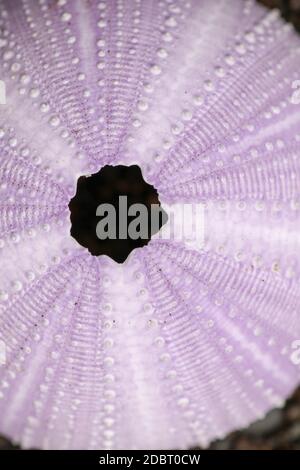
180	344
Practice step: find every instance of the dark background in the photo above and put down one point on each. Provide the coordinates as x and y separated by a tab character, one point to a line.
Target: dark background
280	429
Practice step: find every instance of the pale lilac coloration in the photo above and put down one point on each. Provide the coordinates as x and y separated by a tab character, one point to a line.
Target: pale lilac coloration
180	344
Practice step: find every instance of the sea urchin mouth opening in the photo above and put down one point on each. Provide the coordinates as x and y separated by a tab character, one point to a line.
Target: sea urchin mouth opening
115	211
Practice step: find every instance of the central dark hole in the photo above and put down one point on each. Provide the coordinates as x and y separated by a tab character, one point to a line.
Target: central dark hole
104	215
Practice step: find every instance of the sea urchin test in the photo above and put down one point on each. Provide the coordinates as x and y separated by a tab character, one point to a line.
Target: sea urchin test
180	343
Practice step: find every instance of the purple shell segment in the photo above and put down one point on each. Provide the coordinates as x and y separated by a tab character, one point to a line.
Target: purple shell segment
184	342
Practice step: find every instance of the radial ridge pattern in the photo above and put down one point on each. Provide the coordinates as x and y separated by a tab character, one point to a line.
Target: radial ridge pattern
183	342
